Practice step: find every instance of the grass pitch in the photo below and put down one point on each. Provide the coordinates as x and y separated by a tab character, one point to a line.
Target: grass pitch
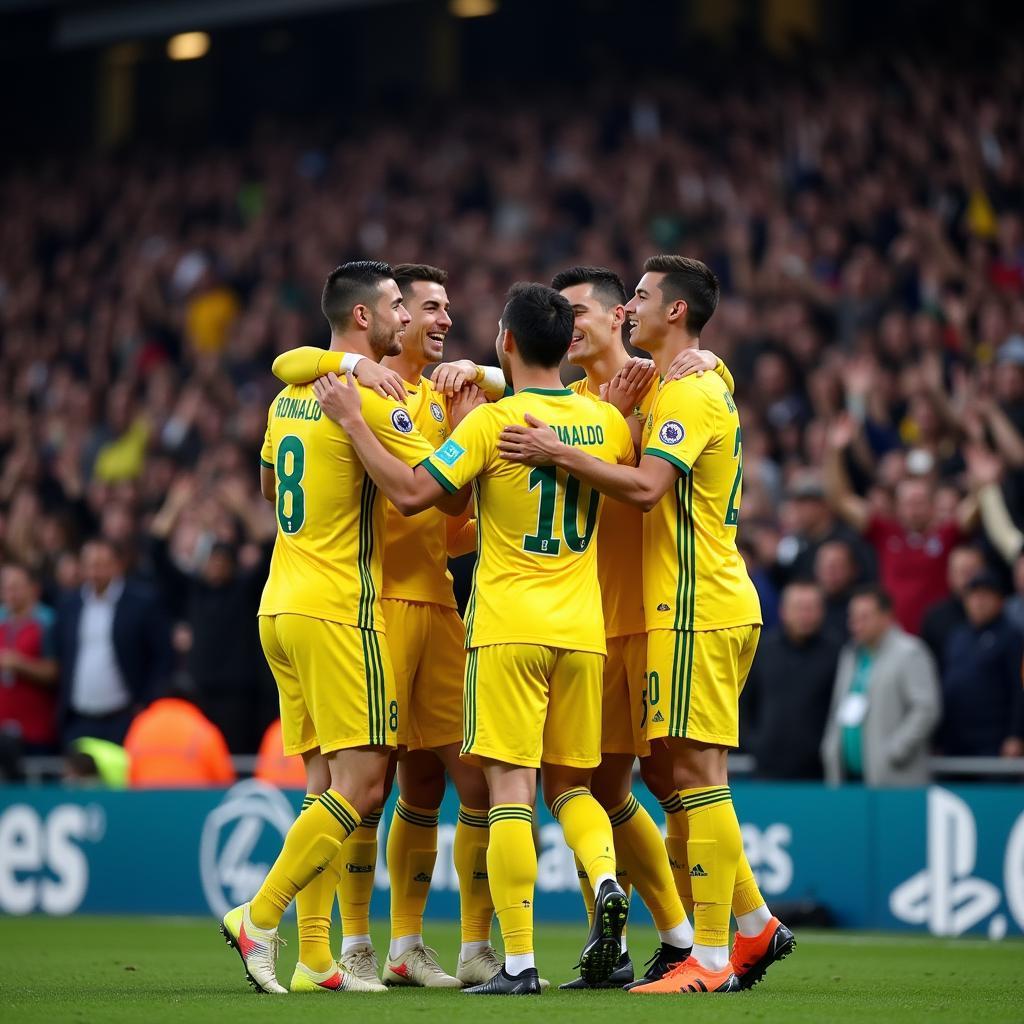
88	969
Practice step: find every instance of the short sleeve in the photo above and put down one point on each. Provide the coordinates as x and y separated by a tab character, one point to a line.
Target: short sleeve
683	425
306	363
394	428
465	454
267	452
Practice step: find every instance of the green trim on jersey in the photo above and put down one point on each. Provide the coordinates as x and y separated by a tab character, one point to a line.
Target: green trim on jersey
678	463
375	688
469	701
545	391
438	476
471	605
367	591
686	589
265	464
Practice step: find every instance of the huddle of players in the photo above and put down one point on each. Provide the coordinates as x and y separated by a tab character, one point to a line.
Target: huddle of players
549	681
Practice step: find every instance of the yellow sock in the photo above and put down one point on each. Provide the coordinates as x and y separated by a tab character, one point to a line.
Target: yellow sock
313	841
470	855
585	891
357	866
640	850
588	832
412	851
512	870
714	850
746	895
313	910
677	833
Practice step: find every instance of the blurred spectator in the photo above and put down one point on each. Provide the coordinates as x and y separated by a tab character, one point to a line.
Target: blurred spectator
28	671
275	767
911	546
886	701
983	697
786	700
217	600
113	646
96	762
836	572
965	562
763	583
173	744
814	524
1014	607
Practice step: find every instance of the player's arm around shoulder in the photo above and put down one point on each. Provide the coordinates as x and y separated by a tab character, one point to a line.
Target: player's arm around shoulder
304	364
388	444
536	444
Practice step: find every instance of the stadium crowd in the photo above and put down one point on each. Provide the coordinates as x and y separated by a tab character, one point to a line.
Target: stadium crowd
867	226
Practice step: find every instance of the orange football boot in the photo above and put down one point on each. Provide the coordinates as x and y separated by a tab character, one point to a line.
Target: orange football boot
691	976
753	955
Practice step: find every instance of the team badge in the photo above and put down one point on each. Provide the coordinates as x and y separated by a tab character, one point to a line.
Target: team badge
402	421
672	432
437	412
450	452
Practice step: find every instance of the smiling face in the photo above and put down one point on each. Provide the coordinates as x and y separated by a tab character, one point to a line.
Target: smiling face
649	314
597	329
427	303
388	319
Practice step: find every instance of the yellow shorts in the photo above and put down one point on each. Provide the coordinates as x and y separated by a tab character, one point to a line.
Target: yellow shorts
526	703
694	681
335	683
623	705
428	651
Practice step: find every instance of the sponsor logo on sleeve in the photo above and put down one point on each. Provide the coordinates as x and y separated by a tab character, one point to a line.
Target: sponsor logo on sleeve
672	432
450	452
402	421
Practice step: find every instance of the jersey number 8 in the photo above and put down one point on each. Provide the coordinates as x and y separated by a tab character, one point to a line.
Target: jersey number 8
291	502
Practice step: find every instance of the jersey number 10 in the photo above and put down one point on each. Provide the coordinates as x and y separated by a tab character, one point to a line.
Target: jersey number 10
544	542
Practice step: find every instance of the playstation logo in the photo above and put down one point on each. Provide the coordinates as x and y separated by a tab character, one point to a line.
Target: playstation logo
943	895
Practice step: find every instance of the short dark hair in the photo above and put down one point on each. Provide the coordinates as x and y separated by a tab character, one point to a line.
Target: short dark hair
606	284
541	321
876	593
350	285
116	548
408	273
690	280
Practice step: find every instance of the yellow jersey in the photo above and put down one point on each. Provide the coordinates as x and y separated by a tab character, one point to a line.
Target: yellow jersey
330	523
416	548
694	575
536	574
620	547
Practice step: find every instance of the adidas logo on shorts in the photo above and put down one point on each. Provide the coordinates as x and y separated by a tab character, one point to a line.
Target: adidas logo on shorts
698	872
421	877
664	607
658	717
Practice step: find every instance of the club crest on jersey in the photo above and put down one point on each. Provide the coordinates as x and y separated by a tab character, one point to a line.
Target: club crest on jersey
450	452
437	412
402	421
672	432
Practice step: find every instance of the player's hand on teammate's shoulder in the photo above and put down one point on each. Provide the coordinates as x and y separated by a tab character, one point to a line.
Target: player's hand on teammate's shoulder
466	399
535	444
385	382
629	385
689	361
339	399
449	378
